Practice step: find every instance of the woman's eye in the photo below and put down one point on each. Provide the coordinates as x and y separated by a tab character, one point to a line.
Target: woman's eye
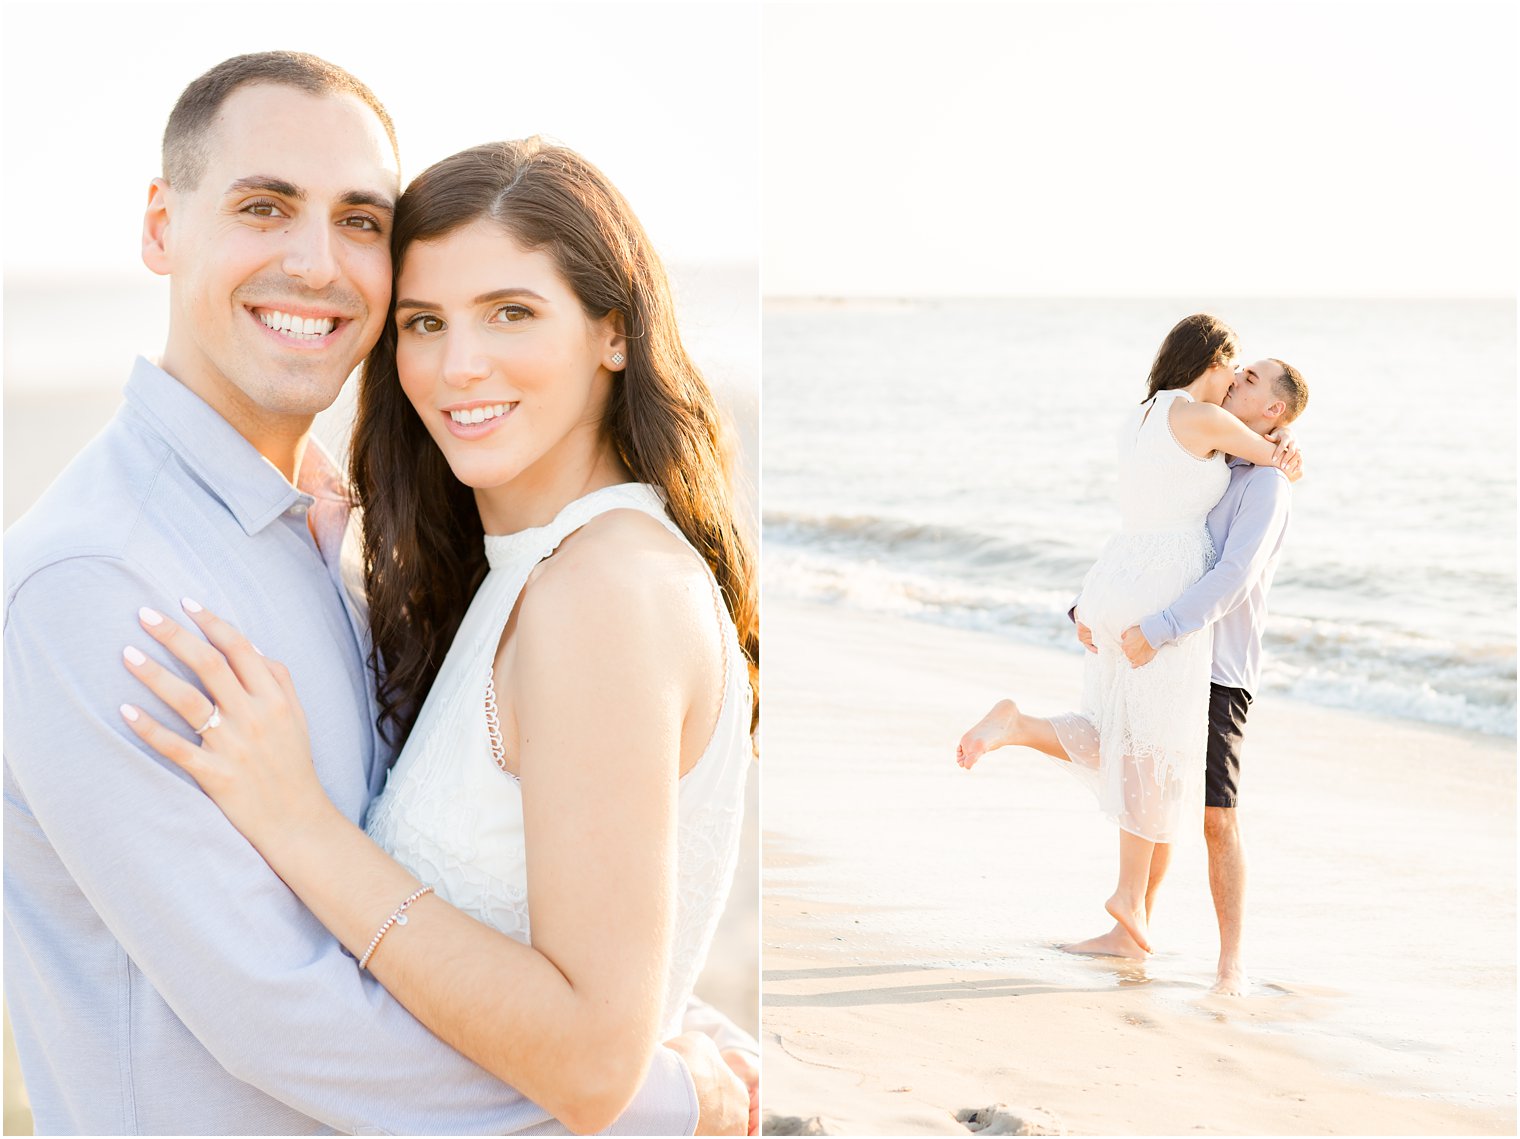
424	322
510	314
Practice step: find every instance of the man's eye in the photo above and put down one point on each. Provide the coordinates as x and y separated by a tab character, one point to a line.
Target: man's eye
362	222
264	210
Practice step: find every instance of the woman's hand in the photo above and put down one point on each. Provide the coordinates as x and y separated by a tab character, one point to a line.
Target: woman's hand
254	758
1286	454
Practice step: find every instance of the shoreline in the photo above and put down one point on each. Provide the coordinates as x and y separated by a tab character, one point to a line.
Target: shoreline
910	979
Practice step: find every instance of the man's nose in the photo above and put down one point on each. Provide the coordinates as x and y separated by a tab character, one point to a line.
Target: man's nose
311	255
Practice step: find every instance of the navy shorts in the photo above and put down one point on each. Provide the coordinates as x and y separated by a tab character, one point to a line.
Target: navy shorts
1227	724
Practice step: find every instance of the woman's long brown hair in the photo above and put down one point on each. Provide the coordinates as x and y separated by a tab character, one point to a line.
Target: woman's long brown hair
1194	345
424	553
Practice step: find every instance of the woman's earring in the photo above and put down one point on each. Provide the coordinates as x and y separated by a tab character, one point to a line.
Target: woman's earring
617	357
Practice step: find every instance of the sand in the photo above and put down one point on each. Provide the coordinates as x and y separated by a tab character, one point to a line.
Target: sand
911	910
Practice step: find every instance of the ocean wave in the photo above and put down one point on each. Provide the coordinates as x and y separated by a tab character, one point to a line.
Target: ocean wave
1343	664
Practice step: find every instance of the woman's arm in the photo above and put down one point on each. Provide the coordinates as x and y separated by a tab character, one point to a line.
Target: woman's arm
1202	428
599	697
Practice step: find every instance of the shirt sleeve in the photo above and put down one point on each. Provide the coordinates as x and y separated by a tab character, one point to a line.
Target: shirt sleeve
702	1017
1255	532
270	994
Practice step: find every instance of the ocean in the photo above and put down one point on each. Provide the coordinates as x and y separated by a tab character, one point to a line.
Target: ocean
952	461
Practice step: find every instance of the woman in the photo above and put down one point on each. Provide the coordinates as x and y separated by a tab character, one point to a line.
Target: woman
1139	741
543	481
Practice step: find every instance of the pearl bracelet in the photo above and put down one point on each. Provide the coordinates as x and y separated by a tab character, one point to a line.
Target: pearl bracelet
397	918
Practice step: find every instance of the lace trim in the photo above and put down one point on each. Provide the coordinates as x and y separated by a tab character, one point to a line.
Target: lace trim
493	726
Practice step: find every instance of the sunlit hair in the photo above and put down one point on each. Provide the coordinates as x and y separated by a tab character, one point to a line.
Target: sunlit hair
1194	345
184	145
424	552
1290	386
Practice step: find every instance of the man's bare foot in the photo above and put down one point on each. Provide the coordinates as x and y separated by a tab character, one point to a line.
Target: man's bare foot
994	730
1232	980
1130	915
1115	943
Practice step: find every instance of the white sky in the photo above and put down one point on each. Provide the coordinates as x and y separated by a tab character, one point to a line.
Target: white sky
1238	147
663	97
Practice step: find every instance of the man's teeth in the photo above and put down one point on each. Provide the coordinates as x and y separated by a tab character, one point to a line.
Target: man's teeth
479	414
308	328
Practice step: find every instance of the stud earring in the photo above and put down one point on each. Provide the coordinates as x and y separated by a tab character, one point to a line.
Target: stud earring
617	357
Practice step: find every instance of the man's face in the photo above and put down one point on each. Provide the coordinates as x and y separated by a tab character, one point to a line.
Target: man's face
280	257
1253	393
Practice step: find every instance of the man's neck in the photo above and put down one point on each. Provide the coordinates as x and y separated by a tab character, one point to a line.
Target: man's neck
281	439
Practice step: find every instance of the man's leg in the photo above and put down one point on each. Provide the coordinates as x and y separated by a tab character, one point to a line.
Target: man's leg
1227	882
1221	831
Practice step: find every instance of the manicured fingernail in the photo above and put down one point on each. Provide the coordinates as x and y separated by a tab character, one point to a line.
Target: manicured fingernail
190	606
150	616
134	656
129	713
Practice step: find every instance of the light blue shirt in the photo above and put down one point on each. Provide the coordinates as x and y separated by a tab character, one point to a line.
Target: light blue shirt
1248	526
161	979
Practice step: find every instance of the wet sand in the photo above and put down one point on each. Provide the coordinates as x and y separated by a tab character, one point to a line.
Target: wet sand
911	914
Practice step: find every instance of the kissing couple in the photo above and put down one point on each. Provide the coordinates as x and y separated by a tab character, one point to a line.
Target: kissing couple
421	831
1172	616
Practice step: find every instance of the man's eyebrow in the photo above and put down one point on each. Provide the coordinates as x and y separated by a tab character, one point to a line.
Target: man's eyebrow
484	298
1252	373
369	198
269	185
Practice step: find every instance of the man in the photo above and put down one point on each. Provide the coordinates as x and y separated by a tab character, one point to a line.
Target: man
1247	527
161	978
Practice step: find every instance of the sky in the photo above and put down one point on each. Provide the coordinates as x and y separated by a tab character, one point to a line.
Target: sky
1228	148
665	98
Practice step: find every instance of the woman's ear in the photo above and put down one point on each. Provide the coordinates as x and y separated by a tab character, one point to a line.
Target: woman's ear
615	352
155	234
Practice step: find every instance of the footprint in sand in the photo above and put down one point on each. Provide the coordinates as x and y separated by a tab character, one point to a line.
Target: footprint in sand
1000	1119
797	1125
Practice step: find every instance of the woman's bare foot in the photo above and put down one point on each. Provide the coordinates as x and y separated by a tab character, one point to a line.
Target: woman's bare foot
998	728
1131	915
1115	943
1232	980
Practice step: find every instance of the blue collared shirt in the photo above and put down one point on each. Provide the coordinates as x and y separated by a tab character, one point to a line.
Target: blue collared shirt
161	979
1248	526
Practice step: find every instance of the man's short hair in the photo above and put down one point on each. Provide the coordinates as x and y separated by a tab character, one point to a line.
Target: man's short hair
184	149
1291	388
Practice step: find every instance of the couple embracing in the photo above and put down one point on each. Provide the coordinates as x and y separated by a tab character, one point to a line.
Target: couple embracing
1172	616
231	906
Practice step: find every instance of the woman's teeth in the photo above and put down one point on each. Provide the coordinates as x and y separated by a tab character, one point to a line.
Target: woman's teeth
479	414
308	328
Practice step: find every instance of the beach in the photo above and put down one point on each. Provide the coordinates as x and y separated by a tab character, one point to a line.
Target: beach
912	912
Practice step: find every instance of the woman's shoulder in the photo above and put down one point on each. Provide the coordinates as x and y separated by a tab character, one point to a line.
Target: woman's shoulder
621	561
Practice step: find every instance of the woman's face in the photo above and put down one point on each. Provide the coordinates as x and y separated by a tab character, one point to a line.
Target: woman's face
1217	379
505	368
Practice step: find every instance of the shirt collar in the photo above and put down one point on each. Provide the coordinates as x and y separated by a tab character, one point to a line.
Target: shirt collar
1237	461
245	482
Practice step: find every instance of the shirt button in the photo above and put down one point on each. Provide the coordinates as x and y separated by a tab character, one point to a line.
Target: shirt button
297	510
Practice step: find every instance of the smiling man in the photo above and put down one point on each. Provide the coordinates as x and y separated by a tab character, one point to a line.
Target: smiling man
1247	527
161	978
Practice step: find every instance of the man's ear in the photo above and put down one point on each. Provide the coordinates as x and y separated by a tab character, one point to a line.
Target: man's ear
1275	409
155	235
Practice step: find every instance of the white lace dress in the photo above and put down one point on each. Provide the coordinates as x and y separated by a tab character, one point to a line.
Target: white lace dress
454	818
1140	737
